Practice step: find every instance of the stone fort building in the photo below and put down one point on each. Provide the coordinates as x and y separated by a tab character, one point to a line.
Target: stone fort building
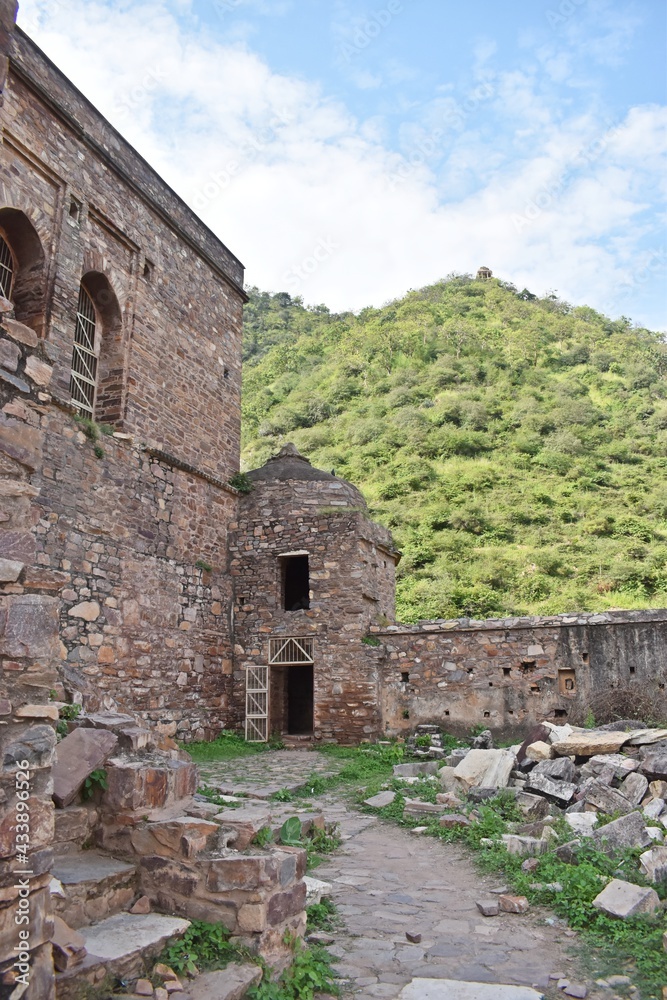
133	574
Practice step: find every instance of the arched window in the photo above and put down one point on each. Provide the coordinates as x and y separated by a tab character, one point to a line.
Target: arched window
83	383
6	269
97	376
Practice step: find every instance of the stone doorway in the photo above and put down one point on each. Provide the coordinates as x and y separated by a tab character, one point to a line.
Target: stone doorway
292	699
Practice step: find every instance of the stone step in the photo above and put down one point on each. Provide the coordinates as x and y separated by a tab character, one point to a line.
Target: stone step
450	989
122	946
95	886
231	983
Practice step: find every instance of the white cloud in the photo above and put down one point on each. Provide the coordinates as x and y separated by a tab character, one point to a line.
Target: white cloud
294	184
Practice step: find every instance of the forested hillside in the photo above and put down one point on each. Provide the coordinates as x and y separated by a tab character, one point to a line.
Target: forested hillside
516	446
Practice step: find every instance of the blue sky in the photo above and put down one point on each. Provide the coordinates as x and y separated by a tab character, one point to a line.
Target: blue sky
348	151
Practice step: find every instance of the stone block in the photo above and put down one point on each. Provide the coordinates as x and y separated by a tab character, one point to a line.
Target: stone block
532	806
231	983
654	766
73	824
590	744
416	770
626	831
654	809
20	442
380	800
10	569
240	872
561	769
37	712
41	920
561	792
9	355
606	799
539	751
31	629
485	769
243	824
78	755
183	837
624	899
417	808
38	371
654	864
488	908
20	332
634	788
69	947
525	846
252	917
448	779
283	905
315	889
88	611
582	822
453	821
513	904
41	826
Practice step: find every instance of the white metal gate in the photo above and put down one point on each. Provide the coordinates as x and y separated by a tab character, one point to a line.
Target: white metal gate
257	704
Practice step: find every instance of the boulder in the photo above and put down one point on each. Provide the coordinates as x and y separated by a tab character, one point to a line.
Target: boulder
582	822
621	764
624	899
654	809
485	769
77	756
626	831
560	791
533	807
654	864
590	744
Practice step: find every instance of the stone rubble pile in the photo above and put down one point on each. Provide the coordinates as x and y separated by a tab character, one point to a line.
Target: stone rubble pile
608	784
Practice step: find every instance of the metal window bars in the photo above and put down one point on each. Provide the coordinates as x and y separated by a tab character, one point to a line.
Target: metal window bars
257	704
292	650
6	269
84	356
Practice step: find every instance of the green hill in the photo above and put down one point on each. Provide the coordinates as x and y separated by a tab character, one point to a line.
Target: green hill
516	446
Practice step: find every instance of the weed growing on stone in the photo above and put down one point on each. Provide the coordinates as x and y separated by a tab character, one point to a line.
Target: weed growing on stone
320	843
263	837
96	779
214	796
323	916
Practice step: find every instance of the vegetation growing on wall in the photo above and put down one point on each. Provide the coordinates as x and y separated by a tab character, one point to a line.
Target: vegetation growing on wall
516	446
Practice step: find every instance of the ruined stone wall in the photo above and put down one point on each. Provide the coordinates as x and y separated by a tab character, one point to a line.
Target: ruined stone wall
144	628
168	293
505	674
351	578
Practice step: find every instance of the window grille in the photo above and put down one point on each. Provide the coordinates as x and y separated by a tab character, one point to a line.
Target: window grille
6	269
290	651
84	357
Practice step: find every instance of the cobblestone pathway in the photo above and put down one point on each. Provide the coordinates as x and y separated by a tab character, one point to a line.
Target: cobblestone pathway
388	882
263	774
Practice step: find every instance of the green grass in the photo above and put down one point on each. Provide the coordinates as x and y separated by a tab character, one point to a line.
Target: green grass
516	446
227	746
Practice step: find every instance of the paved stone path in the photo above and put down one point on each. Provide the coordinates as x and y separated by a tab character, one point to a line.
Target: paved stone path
387	881
261	775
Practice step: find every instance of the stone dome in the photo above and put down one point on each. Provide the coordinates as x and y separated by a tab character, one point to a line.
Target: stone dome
290	464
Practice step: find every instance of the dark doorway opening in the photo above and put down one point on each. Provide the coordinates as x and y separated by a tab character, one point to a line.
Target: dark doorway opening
300	695
295	583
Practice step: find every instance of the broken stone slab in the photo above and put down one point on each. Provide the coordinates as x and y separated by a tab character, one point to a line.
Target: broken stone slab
654	809
69	947
557	733
539	751
454	989
582	822
533	807
416	808
243	824
624	899
654	766
448	780
450	800
77	756
607	800
626	831
416	770
644	737
380	800
120	938
590	744
485	769
562	769
181	837
577	990
654	864
525	846
315	889
231	983
451	821
488	908
634	787
622	765
561	792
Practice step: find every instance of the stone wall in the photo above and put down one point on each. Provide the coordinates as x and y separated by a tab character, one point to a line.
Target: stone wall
505	674
76	200
29	656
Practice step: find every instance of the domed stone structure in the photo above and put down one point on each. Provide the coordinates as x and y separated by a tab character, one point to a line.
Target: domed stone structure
311	573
